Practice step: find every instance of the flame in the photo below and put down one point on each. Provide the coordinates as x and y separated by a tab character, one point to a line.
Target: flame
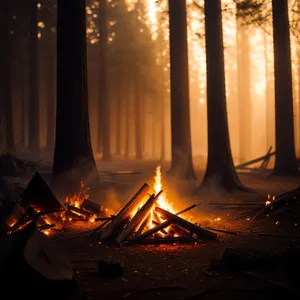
77	199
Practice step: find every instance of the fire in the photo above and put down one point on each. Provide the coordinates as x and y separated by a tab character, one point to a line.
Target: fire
77	199
162	201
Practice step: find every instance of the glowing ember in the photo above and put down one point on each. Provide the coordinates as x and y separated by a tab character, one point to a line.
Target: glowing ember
269	201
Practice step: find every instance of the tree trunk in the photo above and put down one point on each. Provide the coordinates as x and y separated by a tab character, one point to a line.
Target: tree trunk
73	155
285	160
181	152
33	93
138	114
5	74
104	123
220	172
244	95
50	73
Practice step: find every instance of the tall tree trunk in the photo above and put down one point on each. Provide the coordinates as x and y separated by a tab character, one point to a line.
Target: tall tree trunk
104	123
162	126
33	96
73	154
244	87
50	73
220	172
5	74
285	160
182	164
138	114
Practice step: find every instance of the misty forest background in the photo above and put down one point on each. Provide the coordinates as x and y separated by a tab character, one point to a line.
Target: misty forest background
139	79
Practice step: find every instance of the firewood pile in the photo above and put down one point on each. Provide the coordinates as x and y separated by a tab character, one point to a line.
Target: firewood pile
141	220
38	204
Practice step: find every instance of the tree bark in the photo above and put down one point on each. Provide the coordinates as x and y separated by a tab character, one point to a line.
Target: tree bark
181	152
50	73
73	155
285	159
33	96
104	122
220	172
244	95
5	74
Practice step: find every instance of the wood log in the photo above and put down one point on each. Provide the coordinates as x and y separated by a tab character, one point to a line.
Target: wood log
162	231
44	227
125	211
202	233
138	218
164	224
143	225
182	232
79	211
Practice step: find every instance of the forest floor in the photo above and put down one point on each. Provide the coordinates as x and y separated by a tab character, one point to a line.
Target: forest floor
182	271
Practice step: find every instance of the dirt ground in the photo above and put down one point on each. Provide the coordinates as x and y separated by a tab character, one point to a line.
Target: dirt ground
181	271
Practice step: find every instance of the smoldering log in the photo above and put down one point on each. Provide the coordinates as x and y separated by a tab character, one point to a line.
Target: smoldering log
138	217
162	225
105	218
45	226
202	233
79	211
125	211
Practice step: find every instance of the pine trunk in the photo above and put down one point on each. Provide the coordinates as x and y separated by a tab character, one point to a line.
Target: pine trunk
220	172
285	159
73	155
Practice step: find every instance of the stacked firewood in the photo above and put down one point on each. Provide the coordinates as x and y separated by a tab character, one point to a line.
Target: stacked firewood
130	225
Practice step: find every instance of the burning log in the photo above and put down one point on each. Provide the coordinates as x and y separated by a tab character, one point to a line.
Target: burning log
161	226
138	217
125	211
202	233
182	232
162	230
78	211
143	225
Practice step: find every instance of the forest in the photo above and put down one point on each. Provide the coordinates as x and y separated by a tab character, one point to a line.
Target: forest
189	108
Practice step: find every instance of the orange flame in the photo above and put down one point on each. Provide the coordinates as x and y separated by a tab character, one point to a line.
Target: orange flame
77	199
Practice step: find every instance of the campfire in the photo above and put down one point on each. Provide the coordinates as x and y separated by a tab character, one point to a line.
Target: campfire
151	219
74	210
